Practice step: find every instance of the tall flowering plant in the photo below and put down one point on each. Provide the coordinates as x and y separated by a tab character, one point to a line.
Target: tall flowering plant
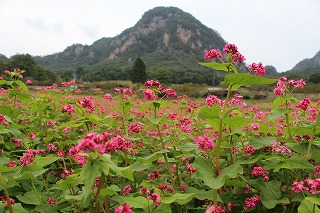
259	157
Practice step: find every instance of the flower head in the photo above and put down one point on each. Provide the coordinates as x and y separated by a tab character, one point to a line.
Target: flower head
205	143
212	54
125	208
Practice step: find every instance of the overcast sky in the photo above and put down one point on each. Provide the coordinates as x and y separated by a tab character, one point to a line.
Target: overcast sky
276	32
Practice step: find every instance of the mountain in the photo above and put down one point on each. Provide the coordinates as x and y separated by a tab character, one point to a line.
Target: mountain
164	38
307	66
3	57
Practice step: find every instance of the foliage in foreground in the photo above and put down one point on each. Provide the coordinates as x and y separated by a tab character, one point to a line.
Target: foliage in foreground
62	154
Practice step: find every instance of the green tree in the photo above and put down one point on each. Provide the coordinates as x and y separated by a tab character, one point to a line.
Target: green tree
79	73
138	74
163	76
26	62
314	78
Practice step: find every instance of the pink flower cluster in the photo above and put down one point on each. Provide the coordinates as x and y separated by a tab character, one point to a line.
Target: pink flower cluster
125	208
251	202
230	49
152	84
259	171
249	149
126	91
205	143
51	201
316	173
108	96
212	54
283	83
68	108
3	120
154	88
156	198
126	190
28	157
135	127
311	185
165	187
4	200
69	83
258	69
190	169
156	174
148	94
102	143
17	141
215	209
212	99
86	103
280	148
304	104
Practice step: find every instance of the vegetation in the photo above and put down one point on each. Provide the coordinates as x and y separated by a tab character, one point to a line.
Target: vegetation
138	72
34	72
61	152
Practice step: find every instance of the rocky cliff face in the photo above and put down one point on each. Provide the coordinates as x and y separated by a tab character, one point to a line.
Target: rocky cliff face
160	30
307	63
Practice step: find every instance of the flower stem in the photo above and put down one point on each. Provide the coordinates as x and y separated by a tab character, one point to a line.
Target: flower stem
6	193
310	142
287	121
38	196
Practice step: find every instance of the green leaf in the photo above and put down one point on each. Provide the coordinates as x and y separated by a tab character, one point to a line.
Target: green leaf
302	148
152	157
4	82
272	195
207	113
178	198
247	161
227	67
183	198
278	101
107	163
3	161
134	202
240	79
71	180
235	122
261	141
21	85
30	171
201	194
45	161
88	174
106	192
138	166
314	200
163	208
294	162
156	104
156	121
205	171
231	171
124	106
188	147
277	113
123	171
29	198
17	208
306	206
